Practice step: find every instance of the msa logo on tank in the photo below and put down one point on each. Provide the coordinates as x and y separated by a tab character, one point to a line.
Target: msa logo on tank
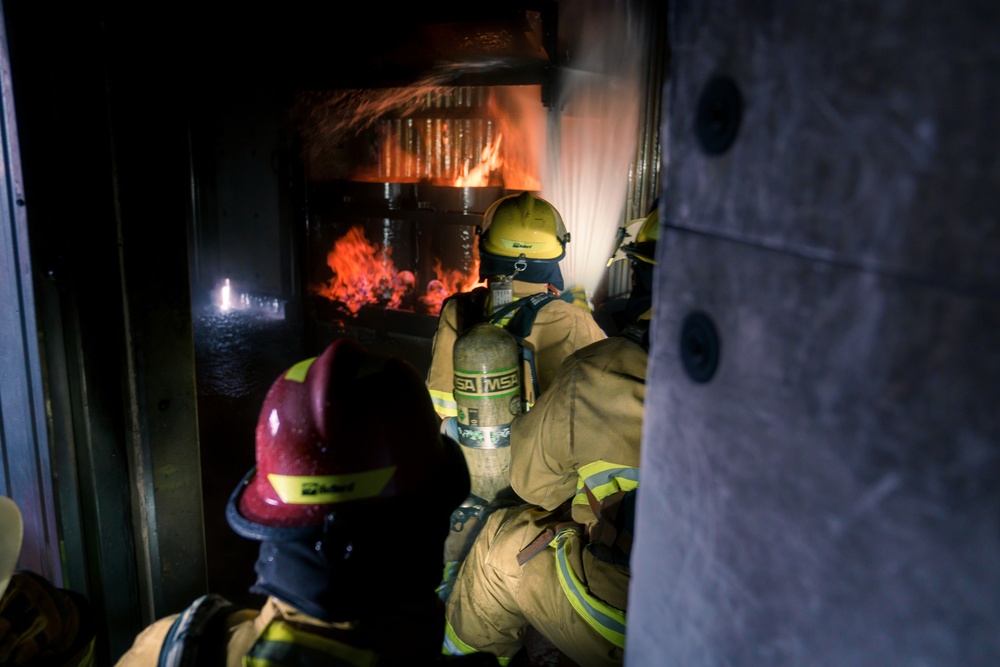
487	385
486	403
483	399
488	395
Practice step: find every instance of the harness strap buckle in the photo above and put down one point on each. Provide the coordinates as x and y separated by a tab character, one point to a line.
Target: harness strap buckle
544	539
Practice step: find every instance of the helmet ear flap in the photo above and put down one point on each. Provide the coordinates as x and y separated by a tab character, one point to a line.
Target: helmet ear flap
337	542
352	532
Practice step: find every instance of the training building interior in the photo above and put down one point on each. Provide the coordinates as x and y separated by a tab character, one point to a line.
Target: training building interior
198	195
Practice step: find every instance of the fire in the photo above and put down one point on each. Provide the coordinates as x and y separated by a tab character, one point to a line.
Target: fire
458	152
448	282
490	161
427	133
365	274
361	274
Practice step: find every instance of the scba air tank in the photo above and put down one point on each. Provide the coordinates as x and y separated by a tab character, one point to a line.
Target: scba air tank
488	395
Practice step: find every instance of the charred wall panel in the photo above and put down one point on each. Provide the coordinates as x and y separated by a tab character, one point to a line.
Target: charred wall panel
827	494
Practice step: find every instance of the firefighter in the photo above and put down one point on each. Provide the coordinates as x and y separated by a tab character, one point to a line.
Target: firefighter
39	623
559	565
349	499
521	241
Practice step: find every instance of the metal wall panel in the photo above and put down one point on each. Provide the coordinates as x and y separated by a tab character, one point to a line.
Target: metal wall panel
829	496
25	460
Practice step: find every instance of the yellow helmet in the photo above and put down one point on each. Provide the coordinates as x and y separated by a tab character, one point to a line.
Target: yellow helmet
643	247
523	224
522	235
12	529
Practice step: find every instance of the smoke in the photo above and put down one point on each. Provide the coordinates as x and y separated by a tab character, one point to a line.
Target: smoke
593	131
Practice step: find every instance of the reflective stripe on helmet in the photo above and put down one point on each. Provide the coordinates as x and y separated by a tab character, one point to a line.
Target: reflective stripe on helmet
604	479
322	489
281	644
539	247
608	621
298	372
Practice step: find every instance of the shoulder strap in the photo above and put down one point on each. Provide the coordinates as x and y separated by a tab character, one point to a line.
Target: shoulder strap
471	307
527	309
197	636
520	326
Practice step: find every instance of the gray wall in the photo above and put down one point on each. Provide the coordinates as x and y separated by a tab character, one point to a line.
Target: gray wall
830	495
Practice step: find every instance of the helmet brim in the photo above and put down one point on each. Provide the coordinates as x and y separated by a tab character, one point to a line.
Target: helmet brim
450	485
644	251
236	515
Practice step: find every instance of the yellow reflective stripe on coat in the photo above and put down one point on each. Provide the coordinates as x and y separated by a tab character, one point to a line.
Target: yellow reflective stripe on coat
453	645
608	621
604	479
281	645
444	403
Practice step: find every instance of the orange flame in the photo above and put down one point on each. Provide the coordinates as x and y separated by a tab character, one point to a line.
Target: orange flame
363	274
448	282
427	133
489	161
360	275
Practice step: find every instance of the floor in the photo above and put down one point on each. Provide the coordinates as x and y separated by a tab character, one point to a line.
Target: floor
540	652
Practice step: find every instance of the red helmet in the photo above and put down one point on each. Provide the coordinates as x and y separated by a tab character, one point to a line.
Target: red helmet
345	429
